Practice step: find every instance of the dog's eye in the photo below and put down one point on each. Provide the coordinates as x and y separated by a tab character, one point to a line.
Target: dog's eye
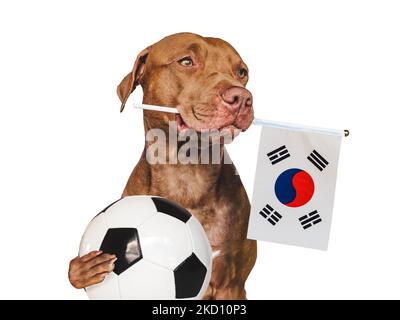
243	73
186	62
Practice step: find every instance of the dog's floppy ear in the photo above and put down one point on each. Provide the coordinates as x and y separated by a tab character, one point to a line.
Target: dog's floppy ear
132	79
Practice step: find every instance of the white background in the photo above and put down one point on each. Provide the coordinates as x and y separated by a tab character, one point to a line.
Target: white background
66	151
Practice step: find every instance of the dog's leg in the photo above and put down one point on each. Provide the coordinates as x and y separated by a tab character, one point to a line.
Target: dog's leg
230	272
233	292
236	292
210	293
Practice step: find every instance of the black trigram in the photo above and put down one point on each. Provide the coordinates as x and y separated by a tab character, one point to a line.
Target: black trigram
310	219
270	214
317	160
278	154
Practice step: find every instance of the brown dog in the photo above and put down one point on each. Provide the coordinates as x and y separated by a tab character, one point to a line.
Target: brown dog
205	79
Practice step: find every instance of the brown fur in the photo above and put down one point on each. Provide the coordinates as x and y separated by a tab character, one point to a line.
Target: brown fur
213	193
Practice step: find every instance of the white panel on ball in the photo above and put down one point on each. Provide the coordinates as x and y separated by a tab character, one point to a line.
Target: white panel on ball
201	246
93	235
145	280
130	212
165	240
106	290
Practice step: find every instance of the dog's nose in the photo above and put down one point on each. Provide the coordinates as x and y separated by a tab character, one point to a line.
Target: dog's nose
237	98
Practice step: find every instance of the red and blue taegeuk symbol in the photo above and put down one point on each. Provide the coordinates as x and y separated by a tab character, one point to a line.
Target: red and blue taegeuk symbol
294	187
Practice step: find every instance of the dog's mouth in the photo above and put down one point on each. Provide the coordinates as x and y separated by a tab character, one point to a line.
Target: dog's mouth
230	129
181	125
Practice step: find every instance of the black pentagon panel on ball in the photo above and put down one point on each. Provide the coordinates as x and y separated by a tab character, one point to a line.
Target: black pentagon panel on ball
125	244
189	277
171	208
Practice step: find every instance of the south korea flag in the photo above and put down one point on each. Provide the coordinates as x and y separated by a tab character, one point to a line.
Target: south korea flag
295	186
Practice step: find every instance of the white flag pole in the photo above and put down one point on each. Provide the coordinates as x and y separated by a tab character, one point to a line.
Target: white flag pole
155	108
256	121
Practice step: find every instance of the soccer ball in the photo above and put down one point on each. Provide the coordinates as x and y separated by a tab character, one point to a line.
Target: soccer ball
162	250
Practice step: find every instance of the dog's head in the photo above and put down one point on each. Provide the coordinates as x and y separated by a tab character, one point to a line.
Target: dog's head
204	78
